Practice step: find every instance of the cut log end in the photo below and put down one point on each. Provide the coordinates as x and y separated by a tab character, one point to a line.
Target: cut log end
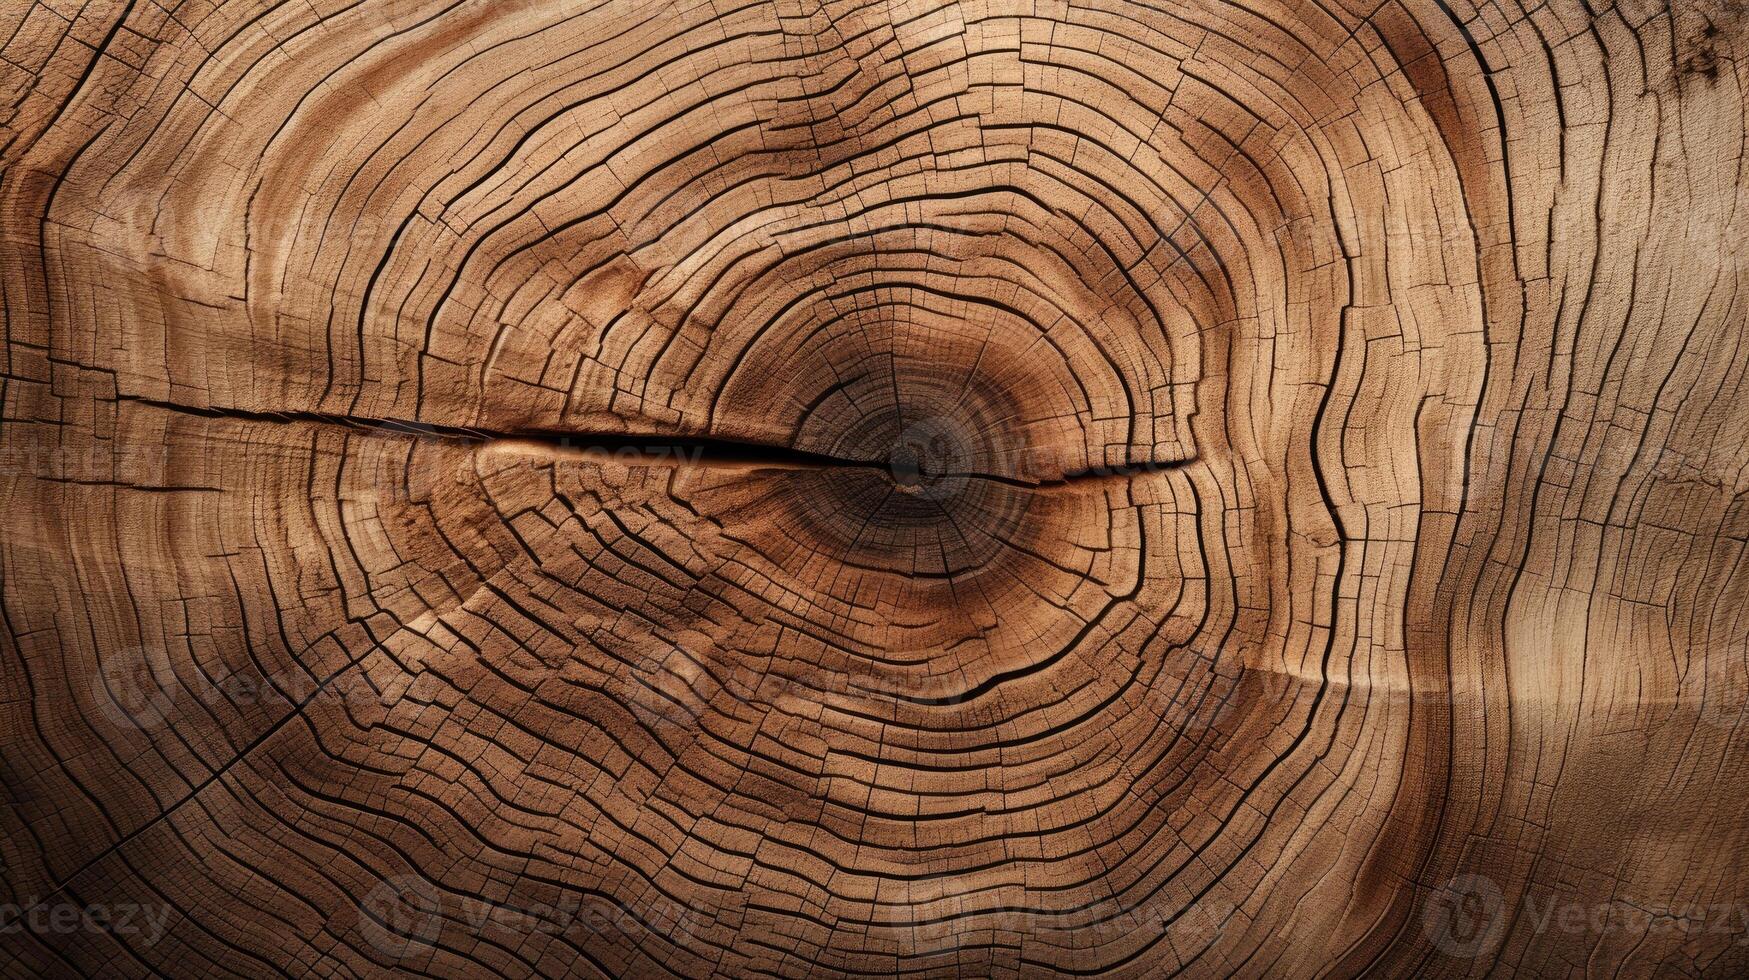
904	488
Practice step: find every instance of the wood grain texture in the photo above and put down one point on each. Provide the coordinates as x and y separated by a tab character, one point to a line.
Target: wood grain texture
856	488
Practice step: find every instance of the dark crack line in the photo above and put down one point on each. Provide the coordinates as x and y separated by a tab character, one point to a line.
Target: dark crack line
650	448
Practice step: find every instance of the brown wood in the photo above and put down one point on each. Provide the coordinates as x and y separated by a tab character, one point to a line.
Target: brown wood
998	488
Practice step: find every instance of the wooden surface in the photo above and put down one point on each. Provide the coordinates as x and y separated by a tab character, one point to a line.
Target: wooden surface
775	489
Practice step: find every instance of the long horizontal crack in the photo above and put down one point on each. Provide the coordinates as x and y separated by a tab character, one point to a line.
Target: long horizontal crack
651	448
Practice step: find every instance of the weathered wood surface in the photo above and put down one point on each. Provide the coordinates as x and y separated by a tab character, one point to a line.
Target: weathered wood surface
1196	488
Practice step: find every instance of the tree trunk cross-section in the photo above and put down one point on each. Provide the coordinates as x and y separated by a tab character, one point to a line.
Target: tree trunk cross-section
874	488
